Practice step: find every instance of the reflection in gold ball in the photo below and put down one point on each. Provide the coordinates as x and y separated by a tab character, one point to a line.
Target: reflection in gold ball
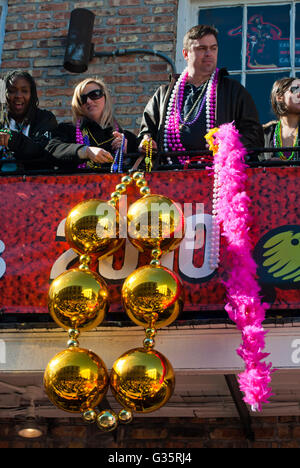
142	381
107	420
153	293
78	299
155	221
92	227
76	380
89	416
125	416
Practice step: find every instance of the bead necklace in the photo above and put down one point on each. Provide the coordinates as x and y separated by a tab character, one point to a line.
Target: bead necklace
172	126
101	142
184	121
277	142
148	158
82	138
117	165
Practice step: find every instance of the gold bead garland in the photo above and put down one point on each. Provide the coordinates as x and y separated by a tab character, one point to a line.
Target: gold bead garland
142	379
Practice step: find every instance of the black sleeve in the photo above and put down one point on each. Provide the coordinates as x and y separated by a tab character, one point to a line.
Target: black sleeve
33	147
151	117
132	142
62	146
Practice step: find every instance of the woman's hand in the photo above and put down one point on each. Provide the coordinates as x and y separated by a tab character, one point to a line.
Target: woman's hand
97	155
146	139
4	138
117	142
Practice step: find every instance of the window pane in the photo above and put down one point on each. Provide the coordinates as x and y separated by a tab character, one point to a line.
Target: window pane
260	86
236	77
230	46
268	33
297	58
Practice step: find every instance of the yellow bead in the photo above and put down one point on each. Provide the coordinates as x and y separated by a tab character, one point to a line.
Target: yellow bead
145	190
155	262
115	195
156	253
89	416
121	188
126	180
125	416
138	175
107	420
84	259
141	182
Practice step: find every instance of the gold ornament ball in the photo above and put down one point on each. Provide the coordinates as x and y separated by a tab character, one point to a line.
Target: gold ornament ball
78	299
76	380
92	227
142	380
107	420
125	416
153	296
155	221
89	416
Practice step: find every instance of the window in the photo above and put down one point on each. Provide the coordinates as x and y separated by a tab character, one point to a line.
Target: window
3	14
259	42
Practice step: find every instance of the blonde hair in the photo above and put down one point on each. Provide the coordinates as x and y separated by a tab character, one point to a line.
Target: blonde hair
107	118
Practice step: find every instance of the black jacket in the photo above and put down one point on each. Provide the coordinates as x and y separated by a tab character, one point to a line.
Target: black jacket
29	151
234	104
64	148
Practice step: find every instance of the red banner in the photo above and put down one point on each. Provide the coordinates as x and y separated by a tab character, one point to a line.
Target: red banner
33	250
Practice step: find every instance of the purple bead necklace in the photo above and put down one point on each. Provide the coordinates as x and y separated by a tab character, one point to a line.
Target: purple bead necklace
81	140
172	141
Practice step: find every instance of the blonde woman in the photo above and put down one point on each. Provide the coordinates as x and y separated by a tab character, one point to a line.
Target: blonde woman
94	138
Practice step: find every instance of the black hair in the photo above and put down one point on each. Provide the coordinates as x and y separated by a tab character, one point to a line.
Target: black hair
34	101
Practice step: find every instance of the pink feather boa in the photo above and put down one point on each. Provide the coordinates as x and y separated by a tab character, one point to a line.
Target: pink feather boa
244	305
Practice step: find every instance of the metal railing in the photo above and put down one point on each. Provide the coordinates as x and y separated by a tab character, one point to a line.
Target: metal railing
168	161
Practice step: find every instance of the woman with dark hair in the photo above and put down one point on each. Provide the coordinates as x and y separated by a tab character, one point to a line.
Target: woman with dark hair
24	136
284	132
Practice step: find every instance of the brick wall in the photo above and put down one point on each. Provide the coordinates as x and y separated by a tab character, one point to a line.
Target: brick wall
35	39
168	433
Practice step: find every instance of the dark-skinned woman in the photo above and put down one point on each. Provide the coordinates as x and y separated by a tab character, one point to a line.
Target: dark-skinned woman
24	138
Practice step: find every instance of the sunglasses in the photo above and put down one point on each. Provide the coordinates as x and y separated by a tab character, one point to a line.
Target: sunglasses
94	95
295	89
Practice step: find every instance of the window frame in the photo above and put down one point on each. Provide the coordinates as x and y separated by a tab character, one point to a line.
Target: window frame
188	10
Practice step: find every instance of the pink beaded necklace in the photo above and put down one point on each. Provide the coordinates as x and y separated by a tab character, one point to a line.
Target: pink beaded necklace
173	123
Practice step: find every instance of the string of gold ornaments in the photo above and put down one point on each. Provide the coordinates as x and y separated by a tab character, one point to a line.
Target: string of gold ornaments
142	380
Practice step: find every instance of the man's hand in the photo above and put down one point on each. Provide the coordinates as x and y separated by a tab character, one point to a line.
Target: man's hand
146	139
